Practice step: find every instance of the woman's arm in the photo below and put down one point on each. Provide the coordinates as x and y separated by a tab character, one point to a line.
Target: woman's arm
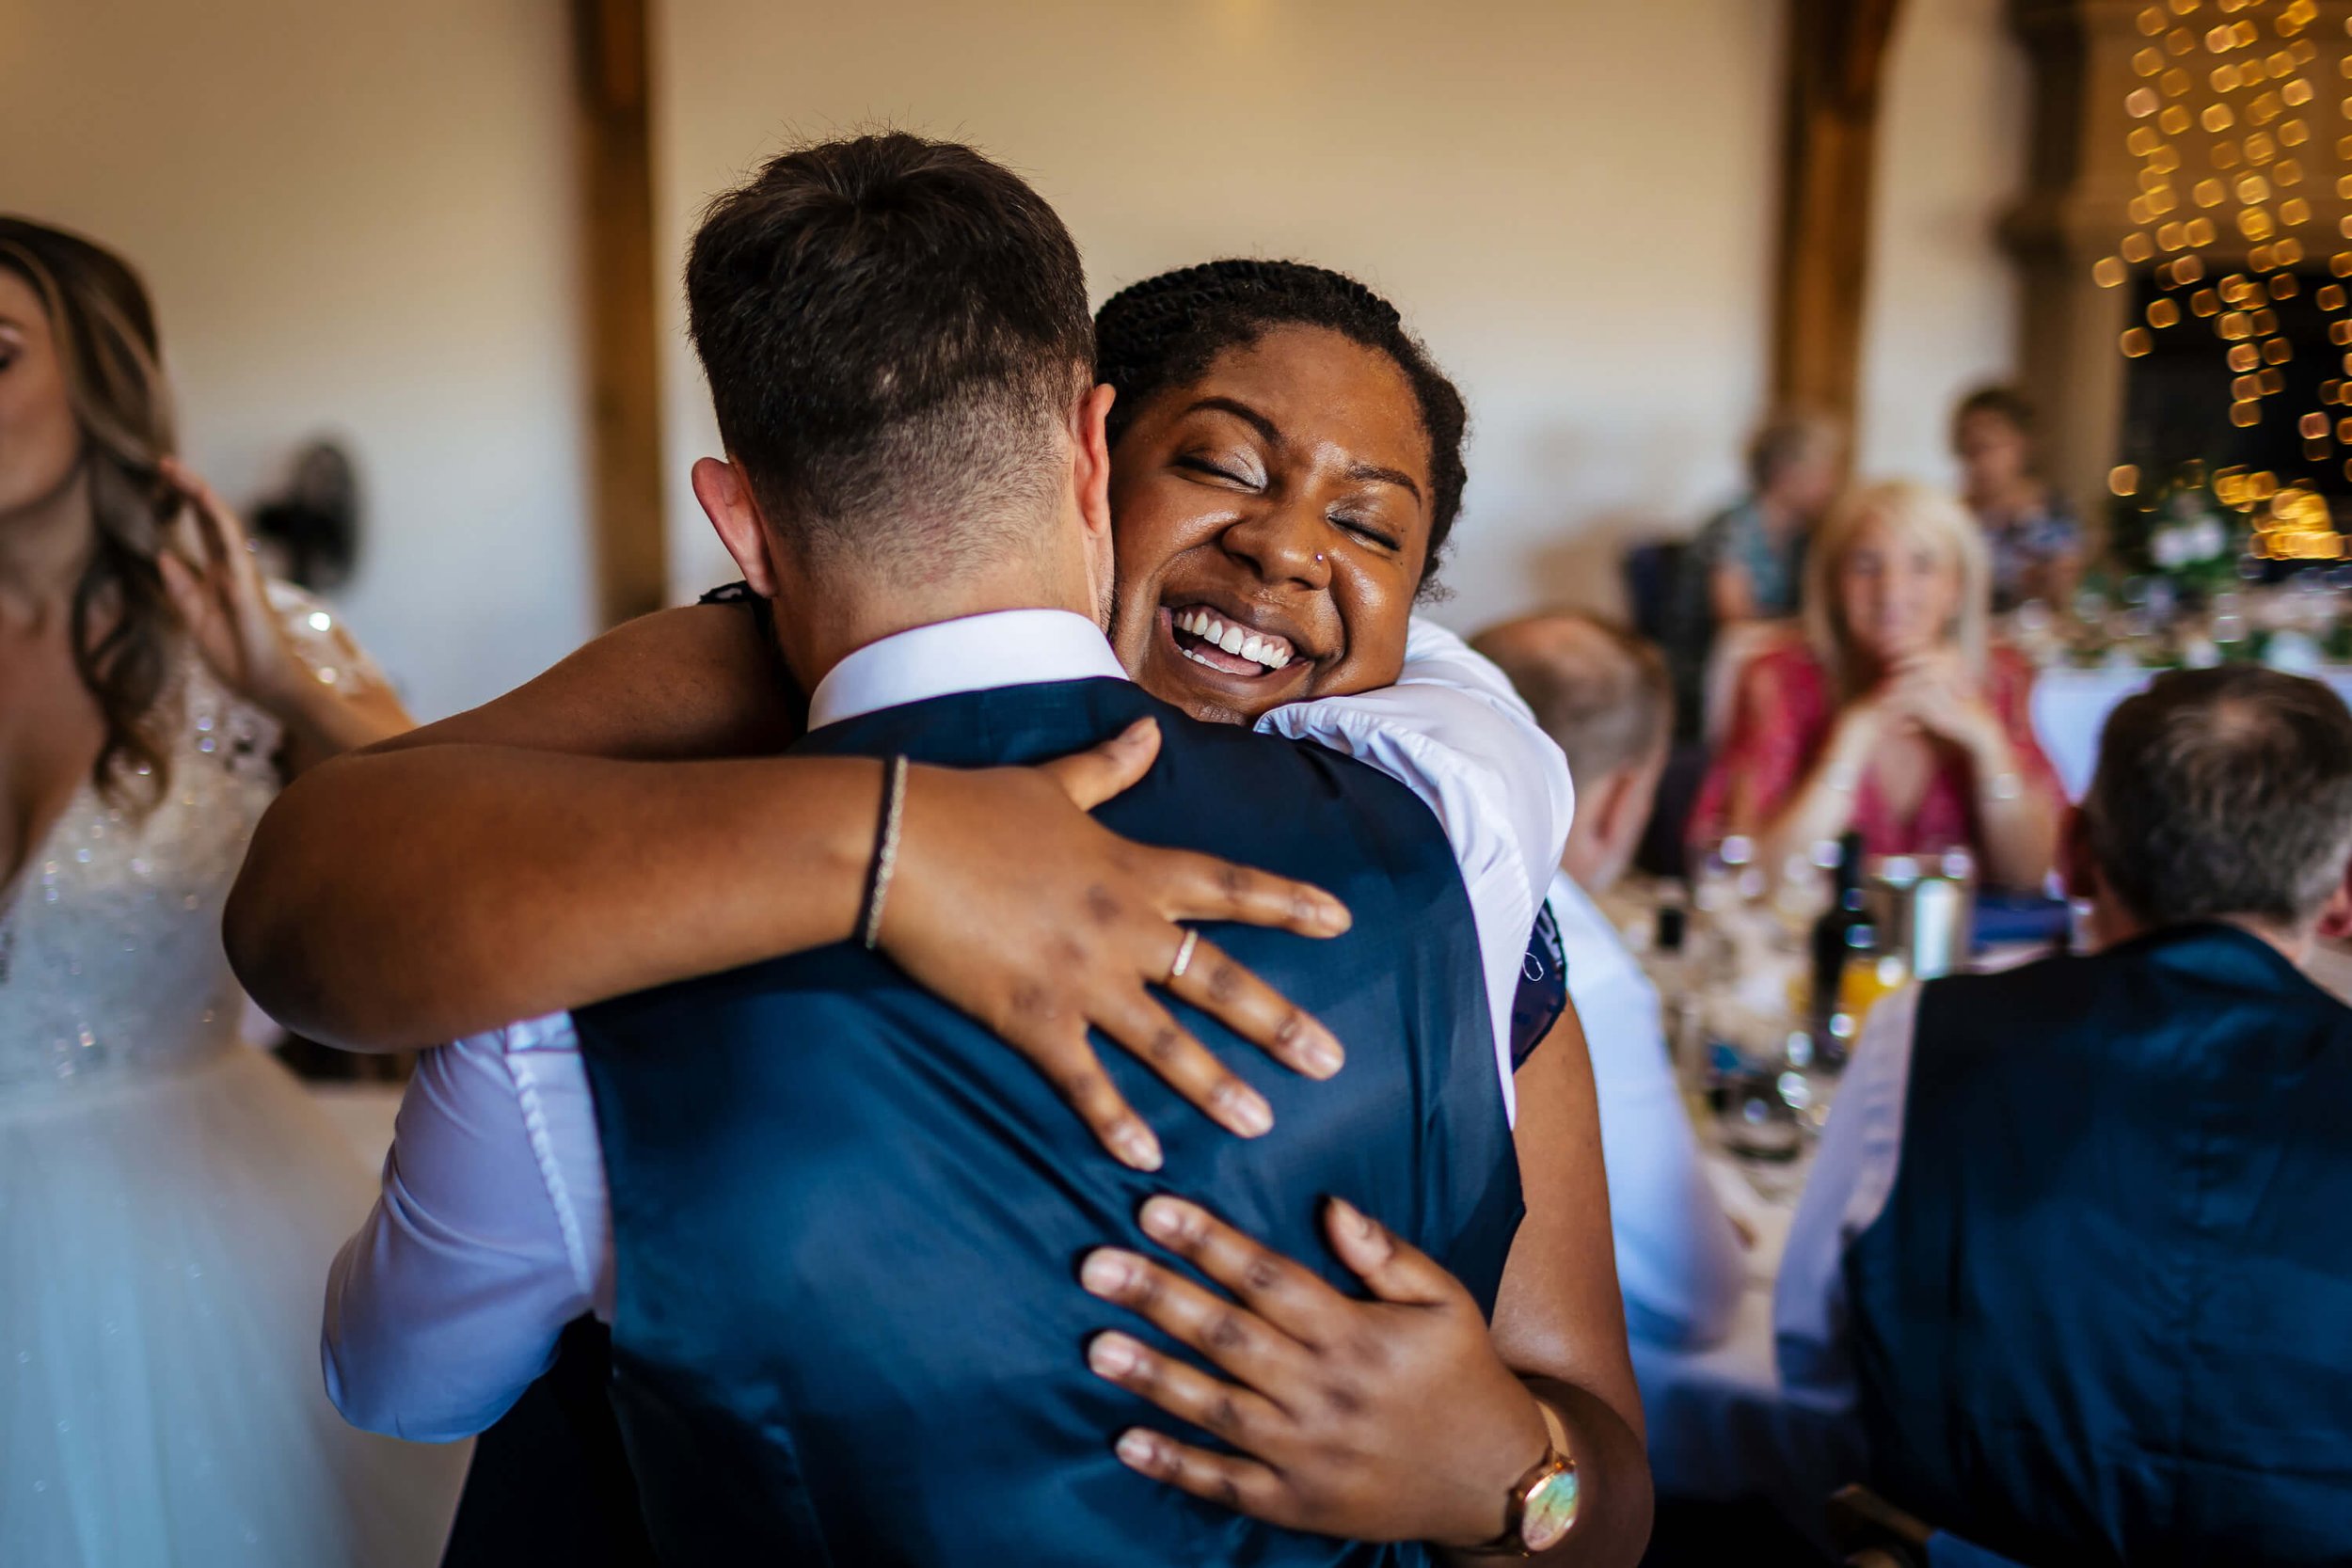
1403	1417
1730	593
1763	786
2016	797
440	886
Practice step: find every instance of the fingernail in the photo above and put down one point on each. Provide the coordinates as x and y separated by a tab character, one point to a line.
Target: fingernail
1105	1273
1354	1217
1166	1218
1137	730
1250	1115
1324	1057
1111	1354
1135	1448
1135	1143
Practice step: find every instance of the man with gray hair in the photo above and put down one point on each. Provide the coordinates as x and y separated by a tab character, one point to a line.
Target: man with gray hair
2073	1250
1602	693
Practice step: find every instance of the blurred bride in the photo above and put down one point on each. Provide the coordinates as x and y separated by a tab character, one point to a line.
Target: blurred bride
169	1198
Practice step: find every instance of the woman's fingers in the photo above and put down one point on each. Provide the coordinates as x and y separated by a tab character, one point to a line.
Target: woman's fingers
1288	1297
1230	993
1094	775
1239	1416
1240	1485
1202	887
1076	1074
1394	1268
1230	1335
1148	1030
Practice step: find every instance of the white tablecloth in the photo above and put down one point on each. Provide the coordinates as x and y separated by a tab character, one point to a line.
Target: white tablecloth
2070	708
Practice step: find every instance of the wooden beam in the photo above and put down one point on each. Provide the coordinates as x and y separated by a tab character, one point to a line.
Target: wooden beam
1836	60
617	236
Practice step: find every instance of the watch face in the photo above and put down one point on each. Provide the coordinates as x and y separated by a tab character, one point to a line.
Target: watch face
1550	1510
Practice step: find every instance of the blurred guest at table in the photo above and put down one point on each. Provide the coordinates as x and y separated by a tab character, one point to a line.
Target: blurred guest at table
1891	717
2035	543
169	1198
1747	564
1603	694
2073	1252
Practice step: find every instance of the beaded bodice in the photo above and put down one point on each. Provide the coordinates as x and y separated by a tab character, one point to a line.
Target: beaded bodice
110	956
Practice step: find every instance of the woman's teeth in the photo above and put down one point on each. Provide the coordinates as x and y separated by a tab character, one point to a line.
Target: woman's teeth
1262	648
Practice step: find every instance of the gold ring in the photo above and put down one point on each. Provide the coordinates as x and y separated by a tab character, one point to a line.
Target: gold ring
1184	956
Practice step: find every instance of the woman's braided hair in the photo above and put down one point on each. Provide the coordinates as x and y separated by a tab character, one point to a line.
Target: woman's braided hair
1165	331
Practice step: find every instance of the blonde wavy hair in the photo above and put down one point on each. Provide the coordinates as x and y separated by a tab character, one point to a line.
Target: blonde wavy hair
1914	511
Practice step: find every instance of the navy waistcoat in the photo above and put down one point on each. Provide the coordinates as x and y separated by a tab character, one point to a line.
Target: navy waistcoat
2107	1315
848	1220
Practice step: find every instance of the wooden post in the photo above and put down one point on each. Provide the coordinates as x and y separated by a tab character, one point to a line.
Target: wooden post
1836	58
616	161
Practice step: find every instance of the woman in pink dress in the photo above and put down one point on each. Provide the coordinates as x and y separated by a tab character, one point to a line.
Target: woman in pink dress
1891	716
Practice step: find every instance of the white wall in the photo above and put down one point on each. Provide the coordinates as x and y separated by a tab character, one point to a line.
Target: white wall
1571	199
1942	316
356	219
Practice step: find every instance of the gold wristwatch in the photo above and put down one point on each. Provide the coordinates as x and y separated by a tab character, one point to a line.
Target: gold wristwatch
1543	1503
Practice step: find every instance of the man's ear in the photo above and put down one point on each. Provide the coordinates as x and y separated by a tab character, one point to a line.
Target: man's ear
1091	461
2077	865
2335	920
727	501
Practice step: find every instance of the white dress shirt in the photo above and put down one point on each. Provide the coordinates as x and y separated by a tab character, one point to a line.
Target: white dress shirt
494	1227
1852	1175
1679	1260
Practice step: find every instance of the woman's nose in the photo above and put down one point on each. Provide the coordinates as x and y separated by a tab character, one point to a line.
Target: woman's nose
1284	542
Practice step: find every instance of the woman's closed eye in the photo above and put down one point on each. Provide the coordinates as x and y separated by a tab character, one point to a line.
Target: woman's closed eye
1367	531
1228	471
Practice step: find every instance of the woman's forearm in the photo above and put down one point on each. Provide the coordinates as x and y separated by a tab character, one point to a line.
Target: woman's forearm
400	898
1821	806
1559	1321
2016	821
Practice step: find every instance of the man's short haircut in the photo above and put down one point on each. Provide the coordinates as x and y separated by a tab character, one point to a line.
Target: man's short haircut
894	330
1601	690
2224	792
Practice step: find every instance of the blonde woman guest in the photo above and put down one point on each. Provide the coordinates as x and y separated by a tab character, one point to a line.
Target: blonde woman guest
1893	717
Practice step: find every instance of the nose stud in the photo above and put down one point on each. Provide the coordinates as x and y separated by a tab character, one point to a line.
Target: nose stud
1318	557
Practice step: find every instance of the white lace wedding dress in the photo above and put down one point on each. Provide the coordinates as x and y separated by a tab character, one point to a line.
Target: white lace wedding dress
169	1202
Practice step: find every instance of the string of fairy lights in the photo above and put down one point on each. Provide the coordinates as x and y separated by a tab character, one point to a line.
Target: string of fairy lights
2242	72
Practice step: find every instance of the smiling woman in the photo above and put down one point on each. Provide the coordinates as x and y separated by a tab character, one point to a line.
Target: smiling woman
1286	466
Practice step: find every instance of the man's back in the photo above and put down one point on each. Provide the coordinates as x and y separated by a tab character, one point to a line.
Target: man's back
2102	1317
847	1221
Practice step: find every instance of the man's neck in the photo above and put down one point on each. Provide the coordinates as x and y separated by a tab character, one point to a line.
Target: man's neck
822	620
2111	926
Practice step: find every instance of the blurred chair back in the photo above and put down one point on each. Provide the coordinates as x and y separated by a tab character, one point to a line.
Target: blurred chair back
1652	571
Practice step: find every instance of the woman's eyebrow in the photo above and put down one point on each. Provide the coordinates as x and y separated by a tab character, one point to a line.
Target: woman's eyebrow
1374	473
1241	411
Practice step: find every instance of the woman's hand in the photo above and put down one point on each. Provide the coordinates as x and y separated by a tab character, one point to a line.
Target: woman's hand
1013	904
1936	693
1390	1419
222	599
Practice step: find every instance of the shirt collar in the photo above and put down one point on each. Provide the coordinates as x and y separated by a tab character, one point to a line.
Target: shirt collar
977	653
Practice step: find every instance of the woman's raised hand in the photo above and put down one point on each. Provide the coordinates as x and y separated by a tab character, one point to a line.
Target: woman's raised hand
1012	903
216	583
1389	1420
